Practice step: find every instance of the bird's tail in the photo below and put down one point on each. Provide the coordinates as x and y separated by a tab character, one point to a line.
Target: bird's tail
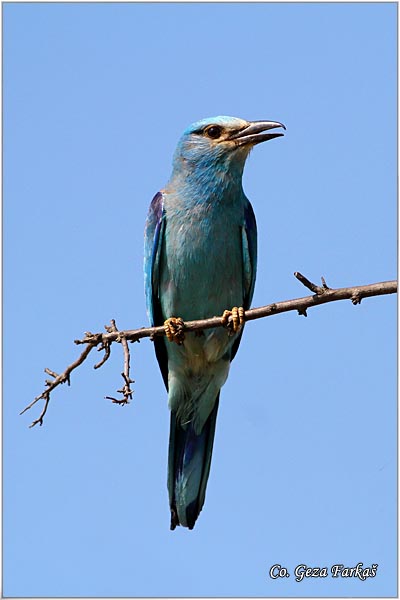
189	464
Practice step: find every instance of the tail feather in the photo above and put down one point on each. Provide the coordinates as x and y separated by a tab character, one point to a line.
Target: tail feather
189	464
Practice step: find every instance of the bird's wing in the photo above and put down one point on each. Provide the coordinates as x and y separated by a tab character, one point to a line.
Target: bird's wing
152	247
249	254
154	234
249	248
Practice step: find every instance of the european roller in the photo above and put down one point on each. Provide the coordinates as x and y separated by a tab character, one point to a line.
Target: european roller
200	262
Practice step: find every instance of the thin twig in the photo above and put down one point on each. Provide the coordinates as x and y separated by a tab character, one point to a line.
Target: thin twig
324	284
62	378
126	390
107	351
309	284
322	295
51	373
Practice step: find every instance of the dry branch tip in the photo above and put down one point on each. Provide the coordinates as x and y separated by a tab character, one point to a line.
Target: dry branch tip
310	285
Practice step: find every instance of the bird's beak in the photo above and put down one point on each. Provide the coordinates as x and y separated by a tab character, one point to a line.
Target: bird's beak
253	133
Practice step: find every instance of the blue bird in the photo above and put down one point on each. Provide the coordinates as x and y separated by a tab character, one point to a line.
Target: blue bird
200	260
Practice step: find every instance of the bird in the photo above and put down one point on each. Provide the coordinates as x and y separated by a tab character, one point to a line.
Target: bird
200	261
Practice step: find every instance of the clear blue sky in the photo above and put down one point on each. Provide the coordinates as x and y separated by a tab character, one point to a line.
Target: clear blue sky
305	458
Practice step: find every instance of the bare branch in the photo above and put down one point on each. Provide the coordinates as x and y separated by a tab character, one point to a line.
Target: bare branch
322	295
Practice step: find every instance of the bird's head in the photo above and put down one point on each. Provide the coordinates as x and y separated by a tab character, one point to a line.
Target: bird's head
220	144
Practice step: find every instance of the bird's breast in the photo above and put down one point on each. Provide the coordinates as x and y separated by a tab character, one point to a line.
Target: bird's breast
202	272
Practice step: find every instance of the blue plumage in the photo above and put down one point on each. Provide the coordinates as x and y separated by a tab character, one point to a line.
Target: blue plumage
200	259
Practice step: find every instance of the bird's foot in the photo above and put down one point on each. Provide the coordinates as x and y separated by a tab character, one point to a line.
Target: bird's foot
174	327
237	320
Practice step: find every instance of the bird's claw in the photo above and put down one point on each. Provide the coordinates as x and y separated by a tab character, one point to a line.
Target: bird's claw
174	330
237	320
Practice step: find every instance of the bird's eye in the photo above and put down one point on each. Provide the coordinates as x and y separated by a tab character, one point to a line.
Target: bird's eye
214	132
